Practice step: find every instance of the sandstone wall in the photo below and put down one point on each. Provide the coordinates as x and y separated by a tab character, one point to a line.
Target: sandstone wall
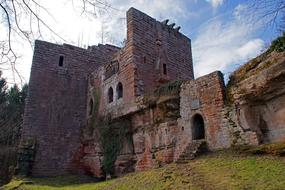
56	104
157	47
204	96
139	65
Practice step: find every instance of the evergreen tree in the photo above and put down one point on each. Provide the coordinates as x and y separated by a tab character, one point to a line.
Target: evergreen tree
12	103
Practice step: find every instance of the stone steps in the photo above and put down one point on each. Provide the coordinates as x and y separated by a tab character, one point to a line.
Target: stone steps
192	151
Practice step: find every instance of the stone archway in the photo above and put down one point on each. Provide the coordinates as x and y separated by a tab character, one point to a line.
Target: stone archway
198	127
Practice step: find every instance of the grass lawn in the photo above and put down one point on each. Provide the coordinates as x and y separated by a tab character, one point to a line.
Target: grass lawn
221	170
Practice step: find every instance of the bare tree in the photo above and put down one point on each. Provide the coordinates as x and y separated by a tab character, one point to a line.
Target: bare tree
270	11
22	20
96	7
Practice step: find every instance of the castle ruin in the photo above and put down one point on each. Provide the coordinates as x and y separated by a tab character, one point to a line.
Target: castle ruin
146	92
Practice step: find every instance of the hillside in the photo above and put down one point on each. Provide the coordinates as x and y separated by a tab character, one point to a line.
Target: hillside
221	170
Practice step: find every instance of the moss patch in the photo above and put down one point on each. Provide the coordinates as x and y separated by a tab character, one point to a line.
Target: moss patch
171	88
275	149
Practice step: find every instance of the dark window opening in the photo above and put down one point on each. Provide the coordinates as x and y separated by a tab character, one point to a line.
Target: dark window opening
164	69
91	104
182	128
110	95
198	129
120	90
60	62
144	59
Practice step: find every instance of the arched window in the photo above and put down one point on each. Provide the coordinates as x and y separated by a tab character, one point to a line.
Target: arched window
119	90
91	104
198	128
110	95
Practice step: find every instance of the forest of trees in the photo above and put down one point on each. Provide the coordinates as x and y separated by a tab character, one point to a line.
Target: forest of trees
12	103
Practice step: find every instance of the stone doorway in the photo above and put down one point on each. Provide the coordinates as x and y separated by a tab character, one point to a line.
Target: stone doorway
198	127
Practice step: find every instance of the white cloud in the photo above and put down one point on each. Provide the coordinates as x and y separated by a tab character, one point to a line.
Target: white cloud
215	3
239	11
250	49
223	45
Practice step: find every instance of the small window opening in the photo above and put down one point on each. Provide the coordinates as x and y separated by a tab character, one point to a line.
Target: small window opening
164	69
144	59
60	62
91	104
110	95
182	128
120	90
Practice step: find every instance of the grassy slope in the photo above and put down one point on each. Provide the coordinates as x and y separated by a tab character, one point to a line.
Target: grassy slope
222	170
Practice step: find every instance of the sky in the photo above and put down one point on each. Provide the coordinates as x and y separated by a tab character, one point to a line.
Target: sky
224	33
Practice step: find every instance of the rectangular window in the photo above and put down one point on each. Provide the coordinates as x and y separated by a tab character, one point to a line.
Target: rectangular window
164	69
60	62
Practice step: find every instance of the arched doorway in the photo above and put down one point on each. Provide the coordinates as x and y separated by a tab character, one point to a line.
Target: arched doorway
198	127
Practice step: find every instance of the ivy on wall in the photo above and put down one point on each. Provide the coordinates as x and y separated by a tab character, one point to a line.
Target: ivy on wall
95	109
111	134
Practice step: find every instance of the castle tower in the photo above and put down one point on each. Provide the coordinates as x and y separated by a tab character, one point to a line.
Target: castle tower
155	53
55	106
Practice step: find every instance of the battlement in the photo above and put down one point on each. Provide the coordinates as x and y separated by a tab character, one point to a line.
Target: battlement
134	15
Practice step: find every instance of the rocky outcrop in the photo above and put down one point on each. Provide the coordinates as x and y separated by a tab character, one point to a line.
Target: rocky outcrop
256	93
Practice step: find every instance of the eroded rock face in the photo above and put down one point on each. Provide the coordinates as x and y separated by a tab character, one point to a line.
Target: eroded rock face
155	132
257	92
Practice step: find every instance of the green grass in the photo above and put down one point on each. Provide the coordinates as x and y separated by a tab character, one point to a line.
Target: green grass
221	170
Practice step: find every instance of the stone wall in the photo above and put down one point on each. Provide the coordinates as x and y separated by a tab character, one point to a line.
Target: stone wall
139	65
163	126
204	96
56	104
161	53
